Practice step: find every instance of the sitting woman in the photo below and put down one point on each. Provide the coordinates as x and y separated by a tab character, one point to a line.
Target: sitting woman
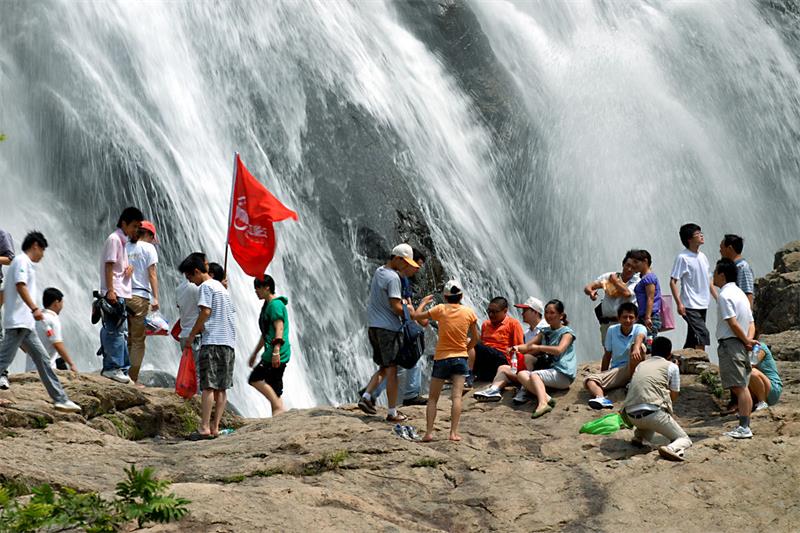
765	383
557	341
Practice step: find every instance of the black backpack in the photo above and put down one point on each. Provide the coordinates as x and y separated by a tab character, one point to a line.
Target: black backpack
412	341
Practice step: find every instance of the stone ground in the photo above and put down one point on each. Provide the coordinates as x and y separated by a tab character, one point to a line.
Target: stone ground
337	469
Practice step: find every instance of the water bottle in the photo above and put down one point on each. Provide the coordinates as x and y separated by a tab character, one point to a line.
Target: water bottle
514	362
226	431
754	354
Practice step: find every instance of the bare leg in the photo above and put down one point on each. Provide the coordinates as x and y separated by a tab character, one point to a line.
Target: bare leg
220	400
391	386
759	385
539	390
745	401
471	358
430	409
524	378
455	409
376	378
270	394
206	400
504	375
593	387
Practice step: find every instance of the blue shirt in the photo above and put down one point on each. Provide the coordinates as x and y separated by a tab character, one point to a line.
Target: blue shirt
620	344
385	286
770	369
567	362
405	288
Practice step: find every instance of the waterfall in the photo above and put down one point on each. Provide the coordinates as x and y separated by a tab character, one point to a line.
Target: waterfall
536	141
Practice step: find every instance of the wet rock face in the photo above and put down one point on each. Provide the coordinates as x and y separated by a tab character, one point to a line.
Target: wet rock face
777	295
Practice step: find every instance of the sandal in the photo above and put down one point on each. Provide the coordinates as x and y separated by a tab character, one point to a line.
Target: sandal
200	436
399	417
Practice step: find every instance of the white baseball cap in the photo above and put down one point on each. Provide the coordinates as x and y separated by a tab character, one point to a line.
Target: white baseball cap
451	288
532	303
406	252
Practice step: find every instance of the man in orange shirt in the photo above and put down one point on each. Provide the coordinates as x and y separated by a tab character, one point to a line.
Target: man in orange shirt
498	334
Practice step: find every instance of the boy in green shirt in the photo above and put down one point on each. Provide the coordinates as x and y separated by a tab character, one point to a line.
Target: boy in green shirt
267	376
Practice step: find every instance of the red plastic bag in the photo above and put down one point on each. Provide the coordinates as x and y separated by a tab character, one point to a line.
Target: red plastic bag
186	380
176	331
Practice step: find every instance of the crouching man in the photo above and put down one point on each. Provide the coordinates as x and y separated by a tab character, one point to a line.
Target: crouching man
655	384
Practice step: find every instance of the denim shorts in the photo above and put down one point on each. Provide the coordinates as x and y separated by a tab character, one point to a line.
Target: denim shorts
447	368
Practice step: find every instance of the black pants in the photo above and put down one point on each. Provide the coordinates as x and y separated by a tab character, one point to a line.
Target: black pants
696	330
487	361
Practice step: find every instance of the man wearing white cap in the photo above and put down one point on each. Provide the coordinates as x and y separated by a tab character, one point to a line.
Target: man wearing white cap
532	313
384	309
143	257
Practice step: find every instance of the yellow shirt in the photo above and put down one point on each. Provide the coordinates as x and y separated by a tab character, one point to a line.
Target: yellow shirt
454	323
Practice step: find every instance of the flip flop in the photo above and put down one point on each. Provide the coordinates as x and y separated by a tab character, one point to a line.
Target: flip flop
199	436
399	417
542	412
551	402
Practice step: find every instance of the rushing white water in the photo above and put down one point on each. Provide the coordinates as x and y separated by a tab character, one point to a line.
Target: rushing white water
645	115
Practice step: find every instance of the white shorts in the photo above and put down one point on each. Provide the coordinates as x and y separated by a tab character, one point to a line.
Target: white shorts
553	379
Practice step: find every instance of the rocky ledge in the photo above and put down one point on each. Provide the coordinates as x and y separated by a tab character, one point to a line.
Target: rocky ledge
337	469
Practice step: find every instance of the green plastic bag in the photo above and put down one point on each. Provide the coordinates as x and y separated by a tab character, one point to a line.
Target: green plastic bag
605	425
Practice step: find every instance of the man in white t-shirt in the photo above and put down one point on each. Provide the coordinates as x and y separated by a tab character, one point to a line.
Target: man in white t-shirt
143	257
617	288
692	271
19	320
6	256
735	332
117	287
49	331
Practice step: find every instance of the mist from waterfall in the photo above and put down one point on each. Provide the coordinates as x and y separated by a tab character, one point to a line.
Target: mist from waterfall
642	116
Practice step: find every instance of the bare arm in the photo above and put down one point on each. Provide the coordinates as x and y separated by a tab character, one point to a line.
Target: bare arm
276	348
205	312
397	306
739	332
422	317
528	348
637	353
623	288
591	289
22	290
555	351
749	299
4	260
258	348
474	336
673	395
109	274
606	361
62	351
153	275
676	295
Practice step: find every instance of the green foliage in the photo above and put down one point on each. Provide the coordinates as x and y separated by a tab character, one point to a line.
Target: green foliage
712	381
428	462
332	461
39	422
141	497
2	137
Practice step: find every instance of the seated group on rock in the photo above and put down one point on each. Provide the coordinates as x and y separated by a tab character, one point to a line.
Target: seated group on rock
631	315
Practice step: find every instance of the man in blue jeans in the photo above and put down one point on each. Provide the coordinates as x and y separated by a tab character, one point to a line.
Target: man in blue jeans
411	377
117	286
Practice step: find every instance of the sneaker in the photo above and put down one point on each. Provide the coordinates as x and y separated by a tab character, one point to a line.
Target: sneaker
488	395
4	384
400	431
368	406
521	396
411	433
669	454
740	433
469	382
416	400
117	375
67	406
601	403
760	406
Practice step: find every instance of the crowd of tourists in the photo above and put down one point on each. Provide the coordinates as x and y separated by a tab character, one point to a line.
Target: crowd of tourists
542	358
537	360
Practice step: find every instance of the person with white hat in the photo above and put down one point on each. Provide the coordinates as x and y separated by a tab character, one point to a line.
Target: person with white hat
458	332
384	309
532	313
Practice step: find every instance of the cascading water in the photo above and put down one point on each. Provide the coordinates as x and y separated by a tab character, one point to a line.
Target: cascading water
537	141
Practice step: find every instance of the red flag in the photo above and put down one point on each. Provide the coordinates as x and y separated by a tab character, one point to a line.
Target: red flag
250	233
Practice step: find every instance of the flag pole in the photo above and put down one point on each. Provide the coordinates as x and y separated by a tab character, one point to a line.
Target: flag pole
230	212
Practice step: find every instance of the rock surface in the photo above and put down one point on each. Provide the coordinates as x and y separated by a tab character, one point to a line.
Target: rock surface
330	469
777	295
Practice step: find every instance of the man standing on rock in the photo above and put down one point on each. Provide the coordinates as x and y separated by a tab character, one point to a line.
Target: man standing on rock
731	248
691	270
6	256
117	287
735	331
19	321
384	309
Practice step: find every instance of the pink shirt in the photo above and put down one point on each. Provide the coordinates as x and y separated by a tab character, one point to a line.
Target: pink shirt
114	252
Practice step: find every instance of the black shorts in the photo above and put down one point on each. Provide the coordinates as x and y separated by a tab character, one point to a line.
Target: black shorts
385	344
270	375
696	330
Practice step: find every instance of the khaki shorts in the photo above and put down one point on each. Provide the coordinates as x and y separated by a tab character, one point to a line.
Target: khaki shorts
611	379
734	363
